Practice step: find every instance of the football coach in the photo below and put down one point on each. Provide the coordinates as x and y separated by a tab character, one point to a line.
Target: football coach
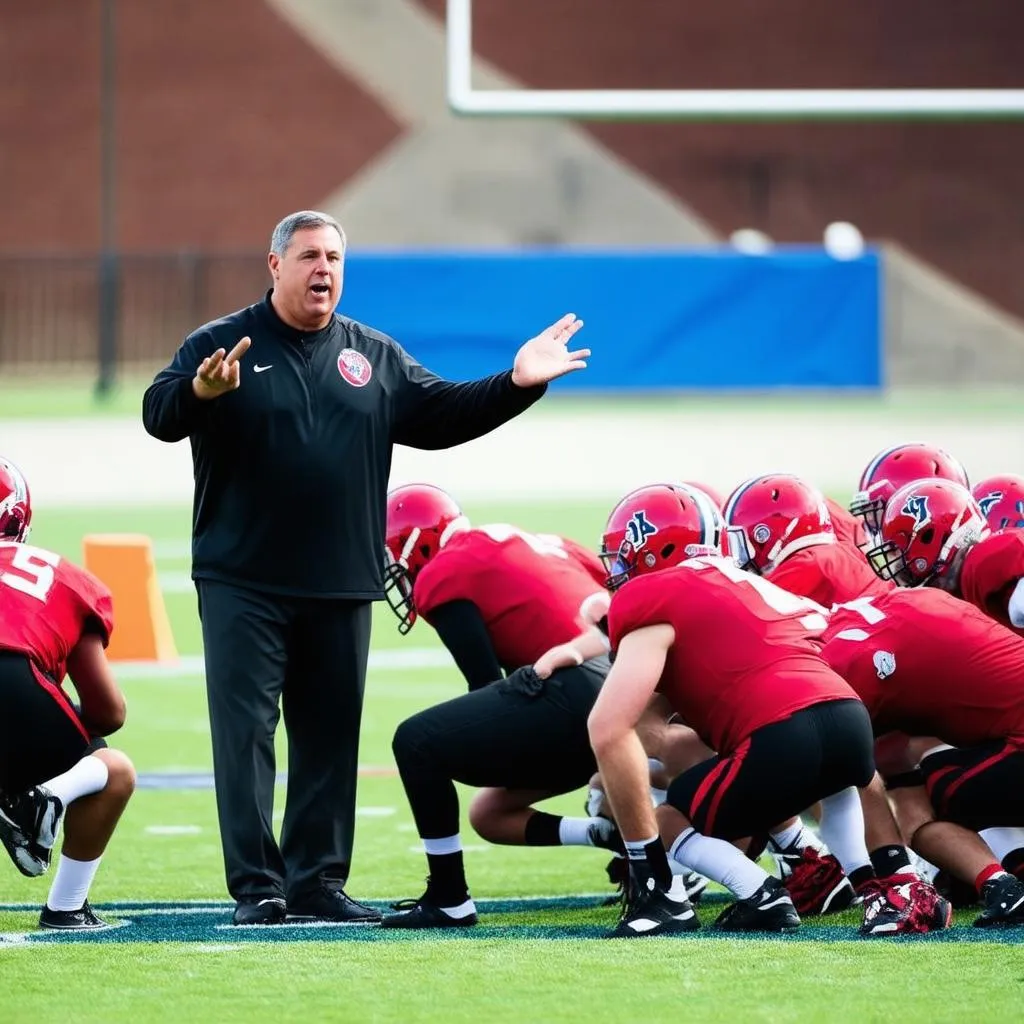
292	410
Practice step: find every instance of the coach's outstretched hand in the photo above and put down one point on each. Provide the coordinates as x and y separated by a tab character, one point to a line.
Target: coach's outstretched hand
547	356
219	373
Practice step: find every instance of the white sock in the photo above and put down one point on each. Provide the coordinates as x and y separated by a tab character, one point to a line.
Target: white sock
796	837
440	847
576	831
1002	841
88	776
462	910
658	796
842	828
720	861
70	887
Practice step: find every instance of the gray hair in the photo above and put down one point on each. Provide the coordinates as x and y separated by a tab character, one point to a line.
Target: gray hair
285	230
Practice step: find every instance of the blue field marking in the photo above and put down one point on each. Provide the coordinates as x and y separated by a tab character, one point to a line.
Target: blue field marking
209	922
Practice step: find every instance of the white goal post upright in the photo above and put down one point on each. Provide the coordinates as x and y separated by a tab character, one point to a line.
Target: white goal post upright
709	104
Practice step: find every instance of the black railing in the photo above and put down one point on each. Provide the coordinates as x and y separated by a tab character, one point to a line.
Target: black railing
90	313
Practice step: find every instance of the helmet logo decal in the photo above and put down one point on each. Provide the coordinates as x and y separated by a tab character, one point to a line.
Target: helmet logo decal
761	534
917	506
990	499
639	528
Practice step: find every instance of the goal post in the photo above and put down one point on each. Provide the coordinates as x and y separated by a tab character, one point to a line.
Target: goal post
708	104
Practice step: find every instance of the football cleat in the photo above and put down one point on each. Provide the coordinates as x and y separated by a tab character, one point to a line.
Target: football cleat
29	823
425	913
902	904
815	882
1003	897
649	912
81	920
770	909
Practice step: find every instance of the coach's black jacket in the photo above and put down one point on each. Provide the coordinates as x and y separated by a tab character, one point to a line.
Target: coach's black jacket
291	468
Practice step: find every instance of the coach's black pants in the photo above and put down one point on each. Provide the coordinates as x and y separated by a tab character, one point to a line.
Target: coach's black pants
502	735
310	656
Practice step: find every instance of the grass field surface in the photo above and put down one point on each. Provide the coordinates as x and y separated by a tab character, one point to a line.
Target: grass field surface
537	955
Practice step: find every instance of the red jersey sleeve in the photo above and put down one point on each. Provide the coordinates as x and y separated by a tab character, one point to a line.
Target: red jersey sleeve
587	559
95	603
990	572
640	602
802	574
848	528
449	576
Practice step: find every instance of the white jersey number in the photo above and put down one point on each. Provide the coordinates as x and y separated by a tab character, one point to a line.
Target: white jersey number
34	571
815	617
548	544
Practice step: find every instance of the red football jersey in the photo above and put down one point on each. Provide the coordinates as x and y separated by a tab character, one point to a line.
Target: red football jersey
928	664
528	587
848	528
828	574
990	573
588	559
46	604
745	653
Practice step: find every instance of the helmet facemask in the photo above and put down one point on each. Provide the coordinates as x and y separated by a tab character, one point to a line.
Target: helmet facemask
398	591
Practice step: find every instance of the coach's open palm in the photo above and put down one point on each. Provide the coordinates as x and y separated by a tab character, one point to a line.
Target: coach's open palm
218	373
547	356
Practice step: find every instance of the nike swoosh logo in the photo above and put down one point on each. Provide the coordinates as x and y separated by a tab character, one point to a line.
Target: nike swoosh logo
259	369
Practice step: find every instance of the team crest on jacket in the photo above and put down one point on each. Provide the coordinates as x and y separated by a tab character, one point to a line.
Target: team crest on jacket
354	367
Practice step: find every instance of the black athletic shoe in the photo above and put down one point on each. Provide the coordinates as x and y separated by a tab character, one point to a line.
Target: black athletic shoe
259	910
81	920
770	909
1003	897
28	828
425	913
652	912
330	902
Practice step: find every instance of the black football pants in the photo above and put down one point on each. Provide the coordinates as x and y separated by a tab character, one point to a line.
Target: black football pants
502	735
309	656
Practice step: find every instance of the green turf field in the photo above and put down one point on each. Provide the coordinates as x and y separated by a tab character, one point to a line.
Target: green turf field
176	959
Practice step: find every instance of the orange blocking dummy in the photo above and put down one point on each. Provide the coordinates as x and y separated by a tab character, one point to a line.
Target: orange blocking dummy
125	563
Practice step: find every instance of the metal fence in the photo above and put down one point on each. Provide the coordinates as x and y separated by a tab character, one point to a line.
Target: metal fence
52	314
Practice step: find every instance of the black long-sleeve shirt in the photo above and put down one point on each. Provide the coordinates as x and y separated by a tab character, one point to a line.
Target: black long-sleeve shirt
291	468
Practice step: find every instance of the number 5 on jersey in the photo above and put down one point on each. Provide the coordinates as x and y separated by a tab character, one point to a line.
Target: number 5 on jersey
31	571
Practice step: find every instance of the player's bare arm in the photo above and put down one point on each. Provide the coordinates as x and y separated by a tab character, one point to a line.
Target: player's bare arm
623	700
103	703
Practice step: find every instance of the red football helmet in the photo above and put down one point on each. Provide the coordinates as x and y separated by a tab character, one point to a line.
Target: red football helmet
713	493
925	526
659	526
1001	500
894	467
420	519
15	503
770	517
